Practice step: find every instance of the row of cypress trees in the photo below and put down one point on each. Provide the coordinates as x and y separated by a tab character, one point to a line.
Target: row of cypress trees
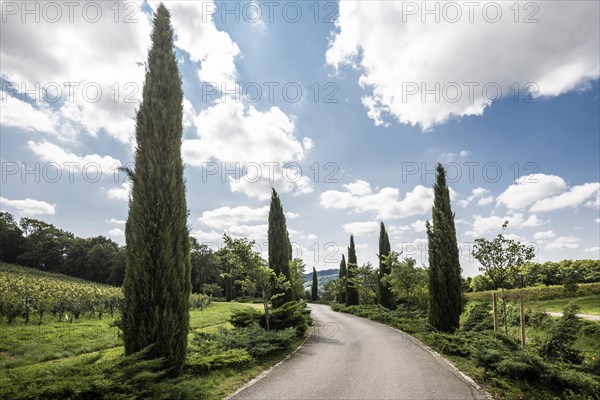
157	282
445	293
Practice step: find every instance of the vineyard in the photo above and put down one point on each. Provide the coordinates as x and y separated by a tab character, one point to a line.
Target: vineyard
31	295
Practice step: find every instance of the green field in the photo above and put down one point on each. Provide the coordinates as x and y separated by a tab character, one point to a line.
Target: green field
52	350
587	304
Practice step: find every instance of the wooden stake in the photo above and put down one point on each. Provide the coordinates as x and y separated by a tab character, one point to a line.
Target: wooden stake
521	298
495	306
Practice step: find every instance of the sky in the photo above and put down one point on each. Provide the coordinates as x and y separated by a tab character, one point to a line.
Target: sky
343	107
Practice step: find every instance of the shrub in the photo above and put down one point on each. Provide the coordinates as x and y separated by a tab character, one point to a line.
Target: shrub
559	343
292	314
216	359
539	319
541	292
522	366
478	317
257	341
245	317
450	344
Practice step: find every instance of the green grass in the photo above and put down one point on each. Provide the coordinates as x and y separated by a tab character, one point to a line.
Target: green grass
587	304
59	359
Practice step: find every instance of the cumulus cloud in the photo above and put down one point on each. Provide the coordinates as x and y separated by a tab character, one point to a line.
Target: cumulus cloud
574	197
284	180
563	242
386	203
52	153
225	217
477	193
529	189
116	232
88	92
29	207
361	228
482	225
544	235
233	133
594	249
121	192
394	49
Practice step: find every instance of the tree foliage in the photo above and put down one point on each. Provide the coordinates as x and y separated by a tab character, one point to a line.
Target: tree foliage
341	294
404	279
280	249
445	295
386	297
314	293
157	283
352	298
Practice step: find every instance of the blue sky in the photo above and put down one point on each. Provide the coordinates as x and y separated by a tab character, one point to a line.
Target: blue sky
362	133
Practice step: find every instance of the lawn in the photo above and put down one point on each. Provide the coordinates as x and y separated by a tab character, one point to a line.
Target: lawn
58	357
587	305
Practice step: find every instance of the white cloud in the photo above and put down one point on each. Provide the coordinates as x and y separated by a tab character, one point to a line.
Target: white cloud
484	201
418	227
232	133
476	193
361	228
386	203
29	206
531	188
52	153
311	236
482	225
394	49
563	242
574	197
120	193
597	220
203	236
291	215
226	217
197	35
64	56
23	115
116	232
358	188
115	221
284	180
449	157
595	249
544	235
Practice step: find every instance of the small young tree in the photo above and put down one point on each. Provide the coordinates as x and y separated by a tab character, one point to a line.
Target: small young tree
314	294
404	278
297	269
500	260
364	281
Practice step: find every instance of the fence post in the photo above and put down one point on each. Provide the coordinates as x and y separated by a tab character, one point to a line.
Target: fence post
495	306
522	319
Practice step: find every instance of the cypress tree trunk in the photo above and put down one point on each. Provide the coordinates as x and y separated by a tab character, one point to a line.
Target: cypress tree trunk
280	249
386	297
343	275
315	286
157	282
445	293
352	298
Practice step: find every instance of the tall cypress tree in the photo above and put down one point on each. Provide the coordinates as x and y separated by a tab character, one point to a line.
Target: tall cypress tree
386	297
315	286
157	281
280	249
445	303
351	292
343	276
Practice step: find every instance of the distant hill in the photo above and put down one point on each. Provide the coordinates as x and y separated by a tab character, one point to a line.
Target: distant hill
323	276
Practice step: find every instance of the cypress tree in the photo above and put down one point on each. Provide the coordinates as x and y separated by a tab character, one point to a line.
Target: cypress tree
280	249
315	286
445	303
343	276
351	292
157	282
386	297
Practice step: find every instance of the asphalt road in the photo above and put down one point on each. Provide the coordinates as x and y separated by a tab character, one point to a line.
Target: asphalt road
349	357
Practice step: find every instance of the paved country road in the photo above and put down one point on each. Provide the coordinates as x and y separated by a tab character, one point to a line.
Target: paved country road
591	317
349	357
